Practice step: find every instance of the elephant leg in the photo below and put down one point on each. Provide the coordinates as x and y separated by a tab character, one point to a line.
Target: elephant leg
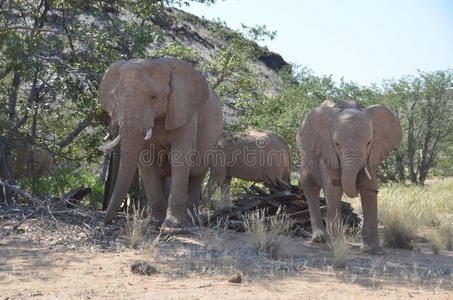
225	189
194	193
333	199
154	187
311	192
368	197
176	216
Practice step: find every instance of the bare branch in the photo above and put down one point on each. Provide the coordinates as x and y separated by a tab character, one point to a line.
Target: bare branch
19	191
71	136
13	95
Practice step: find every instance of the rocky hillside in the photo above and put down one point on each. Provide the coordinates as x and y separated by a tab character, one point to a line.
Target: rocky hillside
53	54
196	33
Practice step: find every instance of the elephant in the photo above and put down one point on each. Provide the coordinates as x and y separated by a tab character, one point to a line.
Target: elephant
34	163
25	161
257	155
341	146
167	116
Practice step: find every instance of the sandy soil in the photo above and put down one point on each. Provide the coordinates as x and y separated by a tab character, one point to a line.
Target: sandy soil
197	266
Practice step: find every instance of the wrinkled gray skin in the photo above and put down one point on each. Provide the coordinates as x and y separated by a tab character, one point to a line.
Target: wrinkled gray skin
257	155
337	142
161	105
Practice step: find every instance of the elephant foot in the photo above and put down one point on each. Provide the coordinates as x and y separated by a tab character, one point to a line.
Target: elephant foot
372	249
108	220
155	222
157	217
318	237
175	221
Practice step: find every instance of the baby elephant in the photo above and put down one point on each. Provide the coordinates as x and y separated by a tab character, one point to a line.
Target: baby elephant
257	155
341	146
27	162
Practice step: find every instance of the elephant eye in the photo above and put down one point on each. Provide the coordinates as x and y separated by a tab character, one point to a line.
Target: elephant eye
153	97
337	144
369	143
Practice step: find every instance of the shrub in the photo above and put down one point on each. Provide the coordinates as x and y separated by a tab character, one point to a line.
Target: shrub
399	230
440	237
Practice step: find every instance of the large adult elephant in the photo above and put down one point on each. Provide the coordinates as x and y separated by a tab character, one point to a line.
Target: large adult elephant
167	118
256	155
341	146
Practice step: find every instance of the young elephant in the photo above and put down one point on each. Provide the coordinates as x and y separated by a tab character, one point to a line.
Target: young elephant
34	163
341	146
258	155
27	162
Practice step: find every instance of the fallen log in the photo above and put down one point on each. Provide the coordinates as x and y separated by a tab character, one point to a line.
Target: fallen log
289	199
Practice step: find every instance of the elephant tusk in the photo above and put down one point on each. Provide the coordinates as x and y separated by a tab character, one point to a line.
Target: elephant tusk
367	173
110	145
149	133
106	137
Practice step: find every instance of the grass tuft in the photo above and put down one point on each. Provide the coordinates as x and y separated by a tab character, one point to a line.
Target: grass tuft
268	235
398	230
339	242
439	238
136	224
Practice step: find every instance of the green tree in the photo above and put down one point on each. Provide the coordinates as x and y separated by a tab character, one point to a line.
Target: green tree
52	56
424	105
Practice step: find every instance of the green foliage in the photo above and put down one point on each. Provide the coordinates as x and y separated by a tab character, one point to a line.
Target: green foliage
423	103
66	179
52	57
178	50
51	65
284	112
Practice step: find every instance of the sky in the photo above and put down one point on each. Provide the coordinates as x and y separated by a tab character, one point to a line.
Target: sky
365	41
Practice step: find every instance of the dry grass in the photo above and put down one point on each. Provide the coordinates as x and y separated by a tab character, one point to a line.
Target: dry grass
407	212
399	227
339	242
268	235
136	224
440	237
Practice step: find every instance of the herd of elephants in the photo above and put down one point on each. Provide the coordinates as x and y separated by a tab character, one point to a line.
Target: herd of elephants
169	121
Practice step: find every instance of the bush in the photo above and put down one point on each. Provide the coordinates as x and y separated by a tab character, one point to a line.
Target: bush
66	179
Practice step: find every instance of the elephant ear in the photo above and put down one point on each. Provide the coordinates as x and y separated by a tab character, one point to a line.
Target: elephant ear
387	133
107	86
315	134
189	90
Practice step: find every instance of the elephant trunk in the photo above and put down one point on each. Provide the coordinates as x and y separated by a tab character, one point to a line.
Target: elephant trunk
350	170
131	146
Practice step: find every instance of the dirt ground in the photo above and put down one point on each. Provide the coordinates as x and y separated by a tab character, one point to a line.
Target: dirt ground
40	261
